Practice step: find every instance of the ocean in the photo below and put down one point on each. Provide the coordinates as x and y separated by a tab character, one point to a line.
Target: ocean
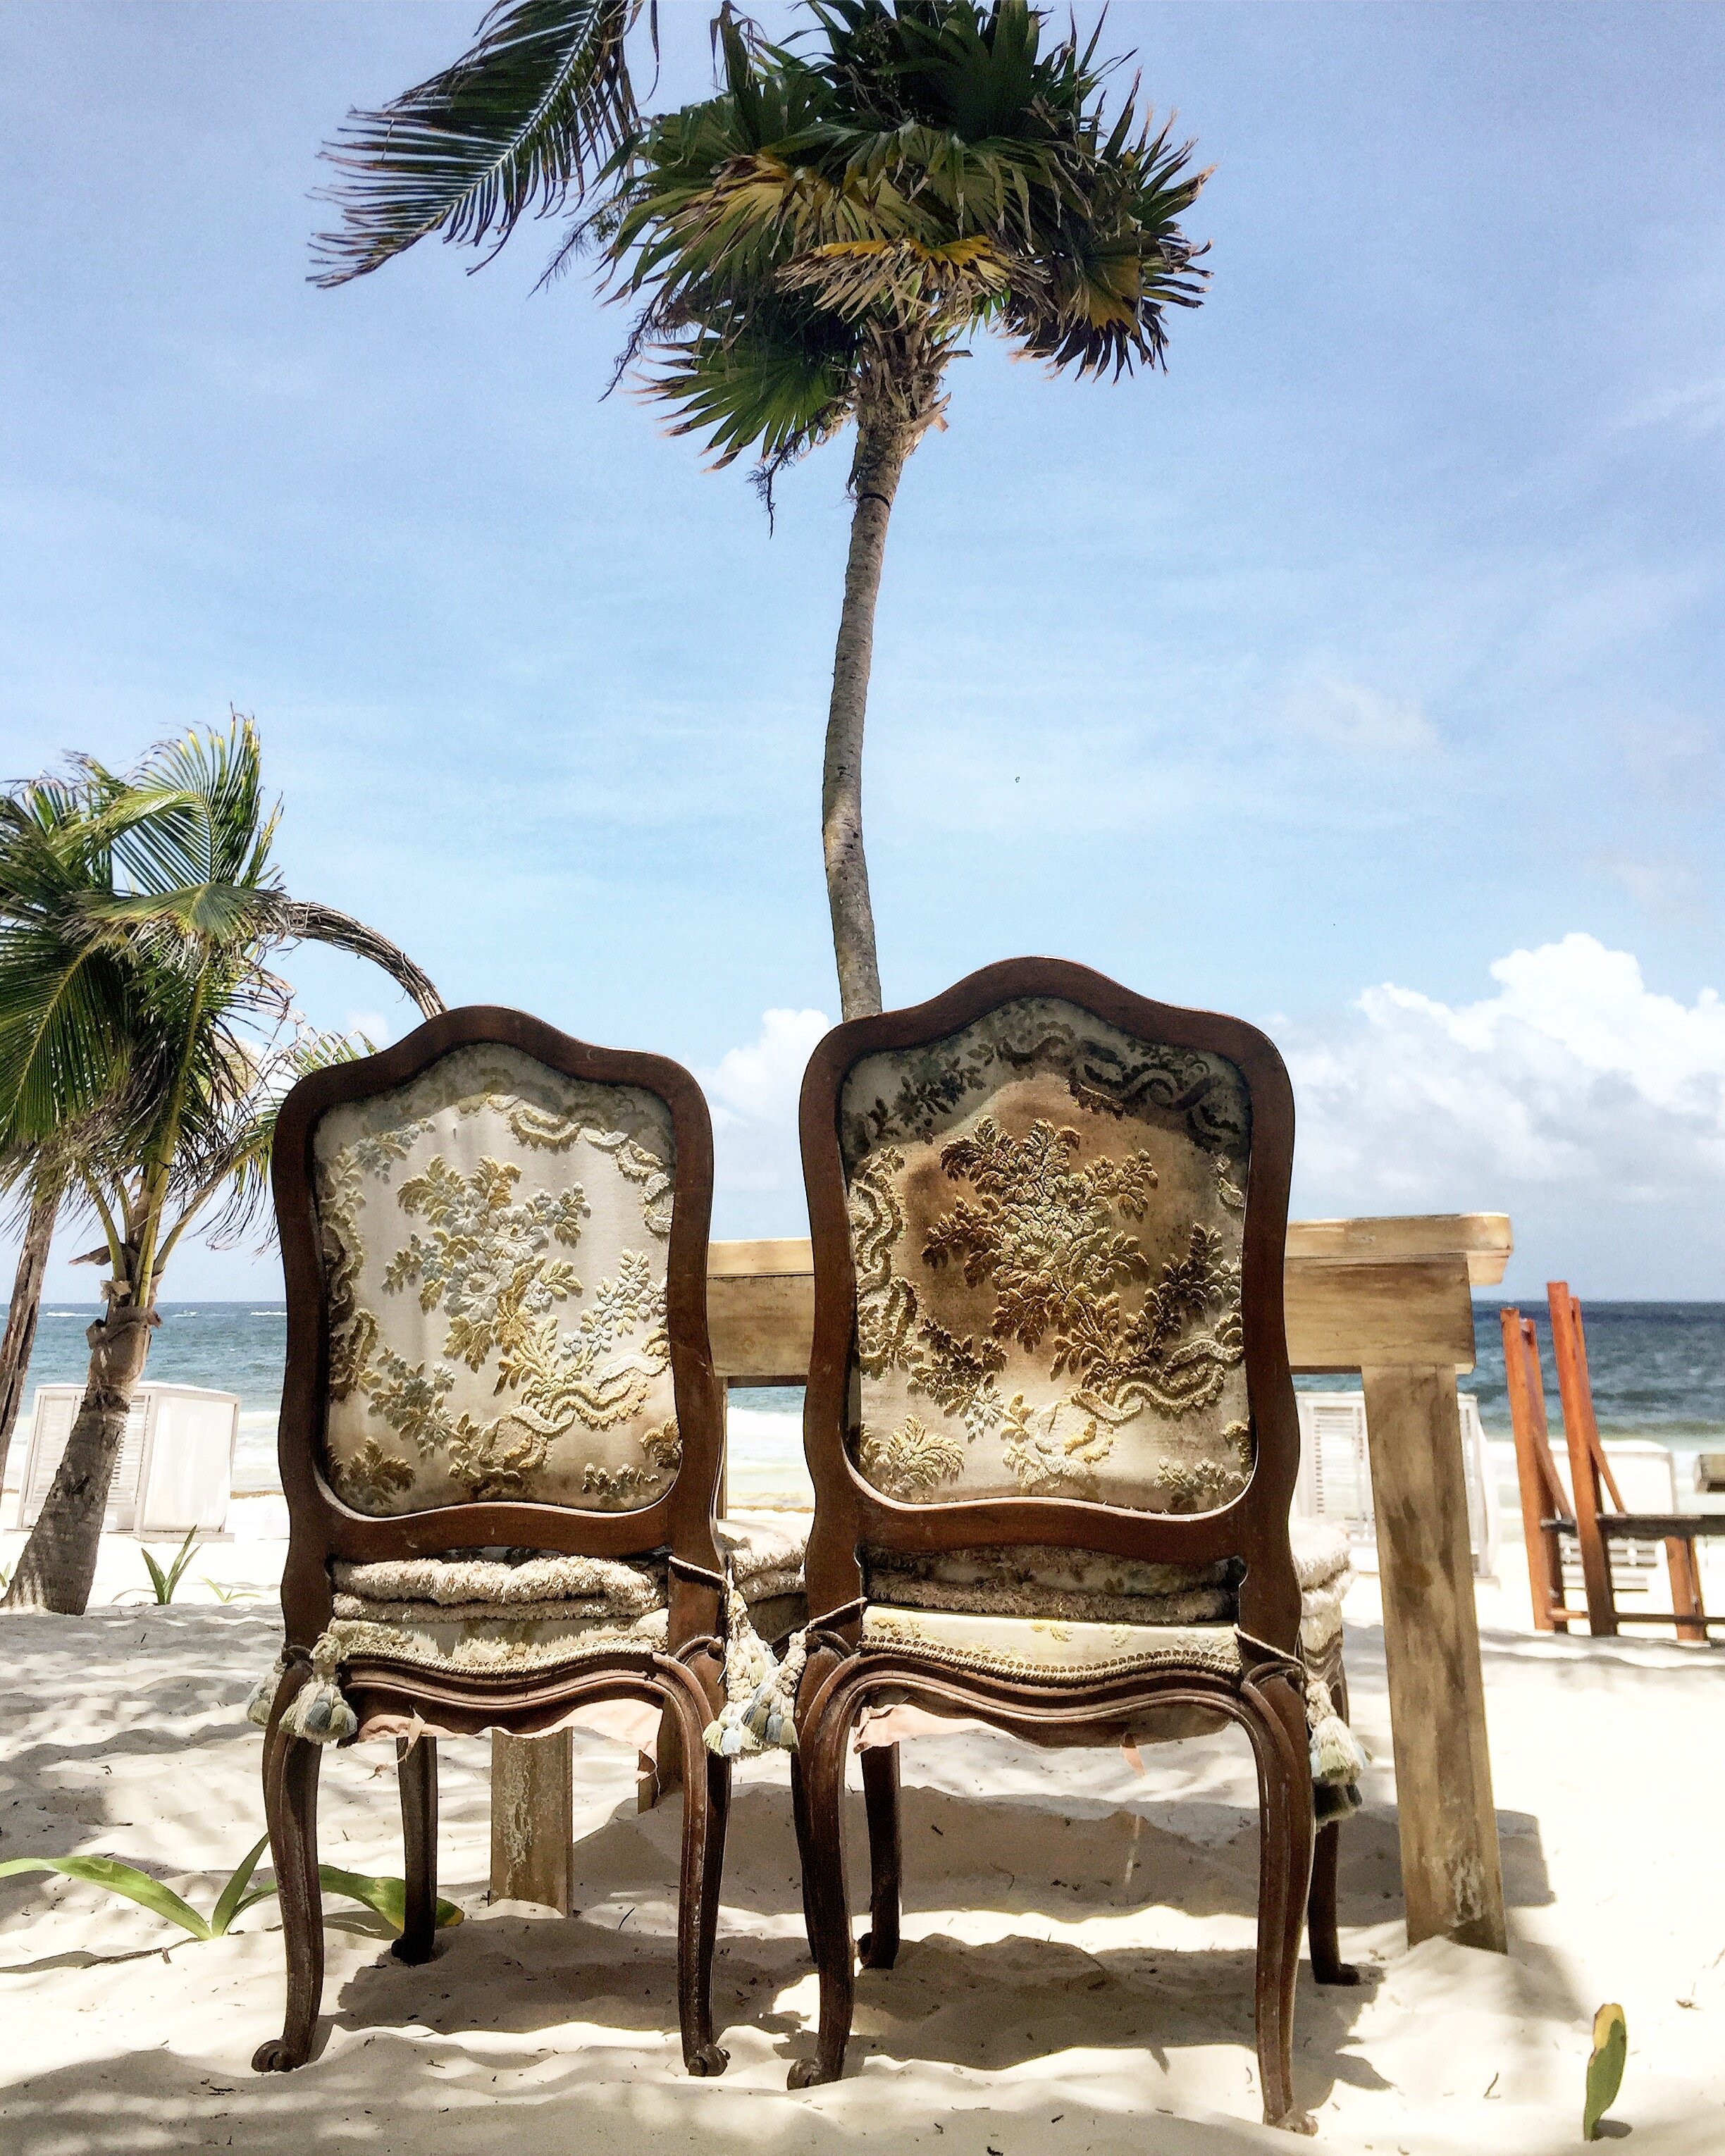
1658	1372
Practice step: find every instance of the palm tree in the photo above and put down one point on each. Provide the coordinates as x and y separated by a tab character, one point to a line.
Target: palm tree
144	1046
808	248
42	1193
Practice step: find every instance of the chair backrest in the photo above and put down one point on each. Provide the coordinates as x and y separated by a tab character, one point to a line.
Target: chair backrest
1049	1219
495	1243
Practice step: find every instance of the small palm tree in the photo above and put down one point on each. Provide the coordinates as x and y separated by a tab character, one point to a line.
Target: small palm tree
41	1192
144	1046
810	249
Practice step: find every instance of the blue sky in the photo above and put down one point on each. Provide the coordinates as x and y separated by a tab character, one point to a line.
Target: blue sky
1376	646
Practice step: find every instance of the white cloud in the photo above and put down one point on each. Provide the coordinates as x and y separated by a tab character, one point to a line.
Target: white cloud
1349	716
1589	1106
379	1030
1575	1085
1696	407
753	1093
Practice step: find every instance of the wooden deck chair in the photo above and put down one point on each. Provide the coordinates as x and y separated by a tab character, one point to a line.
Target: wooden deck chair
500	1440
1051	1429
1549	1517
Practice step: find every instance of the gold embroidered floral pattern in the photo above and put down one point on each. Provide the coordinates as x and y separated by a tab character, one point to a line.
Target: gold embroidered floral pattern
489	1262
1049	1461
352	1330
912	1461
372	1474
1058	1295
664	1448
633	1484
464	1313
1102	1070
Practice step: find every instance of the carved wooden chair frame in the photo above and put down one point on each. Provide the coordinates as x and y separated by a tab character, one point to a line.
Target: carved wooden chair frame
686	1679
843	1675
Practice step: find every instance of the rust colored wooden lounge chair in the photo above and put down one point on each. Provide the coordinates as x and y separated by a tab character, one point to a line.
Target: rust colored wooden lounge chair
1549	1519
499	1439
1051	1428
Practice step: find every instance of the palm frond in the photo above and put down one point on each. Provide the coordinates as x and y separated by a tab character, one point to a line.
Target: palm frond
66	1045
776	394
305	921
524	117
901	281
193	813
227	1148
144	1040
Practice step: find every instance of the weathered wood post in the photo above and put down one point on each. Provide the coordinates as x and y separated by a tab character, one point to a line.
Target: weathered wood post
1391	1299
533	1819
1452	1873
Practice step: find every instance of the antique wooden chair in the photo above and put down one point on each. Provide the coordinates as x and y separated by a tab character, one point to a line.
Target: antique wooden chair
1549	1519
499	1439
1051	1427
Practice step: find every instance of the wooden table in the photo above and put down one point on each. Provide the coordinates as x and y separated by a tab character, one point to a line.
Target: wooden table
1390	1298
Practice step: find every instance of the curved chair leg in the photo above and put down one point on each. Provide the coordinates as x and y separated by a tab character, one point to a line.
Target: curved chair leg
824	1741
805	1862
1327	1965
1285	1840
416	1770
714	2058
706	1801
290	1767
878	1948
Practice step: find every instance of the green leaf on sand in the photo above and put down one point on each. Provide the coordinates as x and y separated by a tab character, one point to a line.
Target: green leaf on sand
119	1879
388	1897
1604	2069
234	1897
165	1582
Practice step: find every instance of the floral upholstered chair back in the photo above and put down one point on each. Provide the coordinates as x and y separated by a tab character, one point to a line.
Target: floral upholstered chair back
1046	1219
494	1237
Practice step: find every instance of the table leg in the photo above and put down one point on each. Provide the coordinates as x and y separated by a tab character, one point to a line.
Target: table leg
533	1819
1452	1875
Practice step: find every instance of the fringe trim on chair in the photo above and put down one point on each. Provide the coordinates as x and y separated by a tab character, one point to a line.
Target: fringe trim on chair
263	1692
760	1693
317	1711
1337	1761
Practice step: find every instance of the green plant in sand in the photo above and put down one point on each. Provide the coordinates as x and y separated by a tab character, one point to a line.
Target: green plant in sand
1604	2068
163	1583
386	1898
808	251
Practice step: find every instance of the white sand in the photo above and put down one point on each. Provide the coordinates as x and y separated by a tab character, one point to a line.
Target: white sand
1077	1969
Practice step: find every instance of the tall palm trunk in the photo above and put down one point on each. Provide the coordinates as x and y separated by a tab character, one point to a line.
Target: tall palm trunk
22	1314
882	446
59	1563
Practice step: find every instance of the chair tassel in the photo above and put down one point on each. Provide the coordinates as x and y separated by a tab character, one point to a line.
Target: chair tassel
263	1692
317	1711
760	1694
1337	1761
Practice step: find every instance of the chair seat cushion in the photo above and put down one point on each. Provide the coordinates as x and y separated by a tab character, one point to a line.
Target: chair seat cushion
504	1611
1322	1555
1087	1587
1045	1651
487	1643
1323	1565
1029	1580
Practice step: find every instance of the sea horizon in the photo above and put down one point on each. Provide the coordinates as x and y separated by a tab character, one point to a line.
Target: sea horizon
1657	1368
